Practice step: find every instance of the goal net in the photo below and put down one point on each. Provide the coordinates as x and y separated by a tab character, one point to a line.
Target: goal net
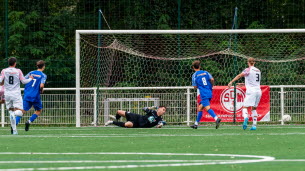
157	64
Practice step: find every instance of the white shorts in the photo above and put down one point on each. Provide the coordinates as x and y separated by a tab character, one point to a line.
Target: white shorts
252	98
14	101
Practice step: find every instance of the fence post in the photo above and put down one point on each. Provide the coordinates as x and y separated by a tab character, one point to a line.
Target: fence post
2	115
95	107
188	106
282	104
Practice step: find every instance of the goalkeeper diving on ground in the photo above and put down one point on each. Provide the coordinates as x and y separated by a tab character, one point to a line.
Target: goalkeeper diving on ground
151	119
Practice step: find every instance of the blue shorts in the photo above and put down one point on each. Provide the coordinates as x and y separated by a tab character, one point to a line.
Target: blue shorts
27	105
205	102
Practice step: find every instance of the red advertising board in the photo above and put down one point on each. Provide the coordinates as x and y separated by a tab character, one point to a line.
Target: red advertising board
223	101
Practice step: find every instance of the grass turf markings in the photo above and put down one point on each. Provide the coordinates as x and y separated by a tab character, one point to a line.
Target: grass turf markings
184	162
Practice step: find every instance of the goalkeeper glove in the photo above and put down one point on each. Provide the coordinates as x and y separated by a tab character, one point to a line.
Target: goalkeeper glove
153	108
161	123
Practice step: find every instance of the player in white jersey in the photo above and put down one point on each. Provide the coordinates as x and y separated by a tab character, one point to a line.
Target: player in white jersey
2	98
253	92
13	100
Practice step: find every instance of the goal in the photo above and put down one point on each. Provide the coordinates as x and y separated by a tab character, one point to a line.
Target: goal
157	64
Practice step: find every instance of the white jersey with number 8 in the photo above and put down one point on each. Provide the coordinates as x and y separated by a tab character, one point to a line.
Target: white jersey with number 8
12	77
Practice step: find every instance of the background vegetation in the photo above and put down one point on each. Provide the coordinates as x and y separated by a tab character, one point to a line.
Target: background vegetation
45	29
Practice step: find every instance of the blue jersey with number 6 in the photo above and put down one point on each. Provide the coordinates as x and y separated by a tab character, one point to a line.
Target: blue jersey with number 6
32	89
201	79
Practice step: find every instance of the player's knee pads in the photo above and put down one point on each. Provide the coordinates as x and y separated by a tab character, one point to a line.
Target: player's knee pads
18	113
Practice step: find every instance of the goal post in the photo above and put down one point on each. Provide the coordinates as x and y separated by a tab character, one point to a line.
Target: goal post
161	58
77	75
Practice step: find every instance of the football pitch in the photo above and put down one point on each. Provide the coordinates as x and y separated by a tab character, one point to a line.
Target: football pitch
170	148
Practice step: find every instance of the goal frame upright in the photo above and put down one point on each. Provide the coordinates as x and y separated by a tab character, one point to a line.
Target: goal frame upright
228	31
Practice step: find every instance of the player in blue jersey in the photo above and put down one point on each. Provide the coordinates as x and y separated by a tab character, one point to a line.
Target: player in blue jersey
32	93
203	81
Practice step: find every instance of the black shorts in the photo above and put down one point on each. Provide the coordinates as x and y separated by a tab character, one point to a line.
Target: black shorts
134	118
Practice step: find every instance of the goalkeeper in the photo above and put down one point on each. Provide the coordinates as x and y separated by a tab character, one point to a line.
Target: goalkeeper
151	119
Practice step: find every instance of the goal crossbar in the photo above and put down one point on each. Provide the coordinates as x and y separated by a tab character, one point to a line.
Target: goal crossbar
190	31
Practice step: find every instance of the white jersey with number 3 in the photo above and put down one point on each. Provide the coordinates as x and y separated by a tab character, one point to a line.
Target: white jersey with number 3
252	78
252	82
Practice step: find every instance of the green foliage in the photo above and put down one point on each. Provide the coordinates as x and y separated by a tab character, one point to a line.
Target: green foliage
41	29
256	25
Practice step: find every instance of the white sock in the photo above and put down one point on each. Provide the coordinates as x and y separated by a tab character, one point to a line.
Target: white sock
215	118
254	121
245	113
13	120
196	123
254	115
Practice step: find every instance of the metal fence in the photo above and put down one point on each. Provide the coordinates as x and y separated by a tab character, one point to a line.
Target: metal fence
60	109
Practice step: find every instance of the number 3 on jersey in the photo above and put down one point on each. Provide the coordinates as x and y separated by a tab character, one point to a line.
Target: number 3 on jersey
257	78
204	81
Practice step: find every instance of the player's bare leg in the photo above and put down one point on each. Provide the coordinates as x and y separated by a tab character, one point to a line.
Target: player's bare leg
18	114
15	109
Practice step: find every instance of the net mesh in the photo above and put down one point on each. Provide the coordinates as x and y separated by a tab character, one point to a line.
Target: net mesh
165	60
158	60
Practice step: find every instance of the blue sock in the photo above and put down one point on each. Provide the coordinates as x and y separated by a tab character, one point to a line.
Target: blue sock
18	119
199	116
212	113
33	117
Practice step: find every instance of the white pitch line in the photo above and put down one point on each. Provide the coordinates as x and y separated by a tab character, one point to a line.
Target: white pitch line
289	160
177	128
137	161
250	160
113	161
145	135
132	153
120	167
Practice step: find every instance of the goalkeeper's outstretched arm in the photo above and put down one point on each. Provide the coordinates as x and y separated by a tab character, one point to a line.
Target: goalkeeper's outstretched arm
159	125
149	109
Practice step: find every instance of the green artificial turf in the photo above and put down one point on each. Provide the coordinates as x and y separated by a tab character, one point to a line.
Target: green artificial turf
168	148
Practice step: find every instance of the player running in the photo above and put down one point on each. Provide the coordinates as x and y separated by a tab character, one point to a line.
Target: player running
13	100
253	91
32	93
151	119
203	82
